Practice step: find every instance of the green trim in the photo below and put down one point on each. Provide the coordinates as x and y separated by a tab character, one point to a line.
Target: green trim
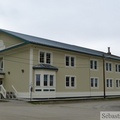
13	47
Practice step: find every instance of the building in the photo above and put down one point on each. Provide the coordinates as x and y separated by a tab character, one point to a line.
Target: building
40	68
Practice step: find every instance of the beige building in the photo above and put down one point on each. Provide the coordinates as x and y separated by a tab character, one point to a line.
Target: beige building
40	68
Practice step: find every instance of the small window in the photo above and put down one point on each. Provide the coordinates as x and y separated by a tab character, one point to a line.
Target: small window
117	83
70	61
109	83
94	82
70	81
45	57
117	67
93	64
108	66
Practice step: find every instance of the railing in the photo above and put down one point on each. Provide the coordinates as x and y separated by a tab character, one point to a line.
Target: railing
16	92
3	91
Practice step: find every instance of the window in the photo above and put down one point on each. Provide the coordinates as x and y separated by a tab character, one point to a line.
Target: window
70	81
117	83
109	83
93	64
70	61
45	80
37	79
49	80
94	82
108	66
1	65
117	67
45	57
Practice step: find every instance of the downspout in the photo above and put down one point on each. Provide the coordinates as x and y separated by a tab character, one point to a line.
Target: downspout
104	89
31	73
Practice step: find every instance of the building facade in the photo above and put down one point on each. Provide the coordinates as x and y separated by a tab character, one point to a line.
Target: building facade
40	68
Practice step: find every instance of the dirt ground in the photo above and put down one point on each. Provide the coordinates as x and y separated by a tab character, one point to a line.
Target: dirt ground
82	110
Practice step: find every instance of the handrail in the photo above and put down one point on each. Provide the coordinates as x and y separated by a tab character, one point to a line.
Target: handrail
3	91
16	92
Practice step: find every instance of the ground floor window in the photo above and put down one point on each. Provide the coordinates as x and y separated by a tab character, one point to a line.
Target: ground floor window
117	83
94	82
70	81
48	80
109	83
45	81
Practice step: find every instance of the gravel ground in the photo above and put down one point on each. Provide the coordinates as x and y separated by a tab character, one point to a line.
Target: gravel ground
82	110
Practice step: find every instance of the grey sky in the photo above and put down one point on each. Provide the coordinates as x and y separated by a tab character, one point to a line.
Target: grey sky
89	23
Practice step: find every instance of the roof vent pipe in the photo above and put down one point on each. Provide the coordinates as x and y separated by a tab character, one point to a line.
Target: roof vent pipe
109	50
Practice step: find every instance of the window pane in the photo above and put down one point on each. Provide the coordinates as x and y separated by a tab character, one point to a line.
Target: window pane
107	83
37	80
110	83
72	61
67	82
95	64
72	81
119	68
119	84
106	66
91	64
116	83
110	67
48	58
45	80
51	80
42	57
96	82
67	61
92	82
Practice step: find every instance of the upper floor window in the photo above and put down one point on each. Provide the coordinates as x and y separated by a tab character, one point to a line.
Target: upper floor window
108	66
94	82
117	68
70	61
45	57
93	64
70	81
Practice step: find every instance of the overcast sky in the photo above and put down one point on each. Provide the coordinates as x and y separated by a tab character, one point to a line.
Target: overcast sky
93	24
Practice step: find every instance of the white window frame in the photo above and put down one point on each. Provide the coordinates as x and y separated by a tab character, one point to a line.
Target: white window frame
108	66
42	87
118	83
93	65
94	86
109	87
45	59
70	81
70	62
117	68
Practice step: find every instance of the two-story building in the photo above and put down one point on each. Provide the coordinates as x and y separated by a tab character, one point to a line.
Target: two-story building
42	68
